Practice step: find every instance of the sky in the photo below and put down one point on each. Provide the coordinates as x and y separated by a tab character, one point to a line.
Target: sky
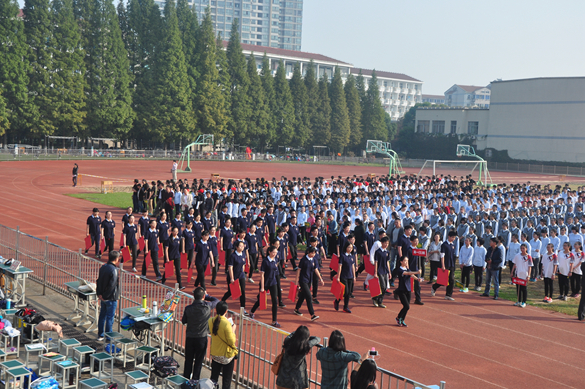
446	42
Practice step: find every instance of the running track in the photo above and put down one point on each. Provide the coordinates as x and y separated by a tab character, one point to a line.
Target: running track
473	342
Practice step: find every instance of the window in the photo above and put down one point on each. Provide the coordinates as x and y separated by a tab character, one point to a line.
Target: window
438	126
453	126
423	125
274	30
472	128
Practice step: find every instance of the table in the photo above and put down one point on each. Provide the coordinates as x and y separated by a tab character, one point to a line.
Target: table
17	372
156	325
93	383
33	348
10	344
82	351
6	313
18	292
64	377
136	376
86	299
51	360
101	359
68	344
4	366
174	381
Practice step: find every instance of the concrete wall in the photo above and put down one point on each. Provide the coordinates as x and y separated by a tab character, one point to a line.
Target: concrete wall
539	119
461	115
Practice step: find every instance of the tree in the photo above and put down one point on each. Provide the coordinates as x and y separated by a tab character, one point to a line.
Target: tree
189	28
14	67
67	96
312	96
124	25
299	96
322	119
285	111
354	110
240	83
109	103
259	109
4	123
173	112
224	82
391	127
374	126
339	114
209	99
268	86
360	84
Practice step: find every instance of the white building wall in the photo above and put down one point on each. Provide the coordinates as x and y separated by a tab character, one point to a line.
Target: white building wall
456	118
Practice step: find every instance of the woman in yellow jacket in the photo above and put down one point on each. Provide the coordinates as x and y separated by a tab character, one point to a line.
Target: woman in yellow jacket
223	346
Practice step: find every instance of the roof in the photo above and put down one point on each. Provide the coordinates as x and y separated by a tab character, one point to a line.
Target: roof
433	97
540	78
20	13
470	88
288	53
379	73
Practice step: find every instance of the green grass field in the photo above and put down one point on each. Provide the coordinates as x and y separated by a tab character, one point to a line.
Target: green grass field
117	199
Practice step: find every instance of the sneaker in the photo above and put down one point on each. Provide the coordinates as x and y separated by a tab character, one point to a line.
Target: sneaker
86	253
433	292
560	297
465	290
565	298
418	302
101	338
213	283
399	322
392	284
296	312
375	303
281	305
314	317
251	315
545	300
510	283
250	280
315	301
181	288
517	303
429	282
403	324
496	297
336	305
284	277
296	268
381	306
485	295
523	305
449	298
577	295
160	278
351	296
134	270
276	325
461	290
365	286
396	296
346	310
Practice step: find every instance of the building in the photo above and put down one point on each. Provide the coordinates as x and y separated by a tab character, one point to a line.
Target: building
541	119
433	99
398	92
468	96
270	23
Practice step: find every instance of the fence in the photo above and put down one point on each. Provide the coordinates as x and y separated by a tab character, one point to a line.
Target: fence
259	344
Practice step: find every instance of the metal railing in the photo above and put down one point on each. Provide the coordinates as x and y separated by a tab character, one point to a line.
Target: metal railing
258	343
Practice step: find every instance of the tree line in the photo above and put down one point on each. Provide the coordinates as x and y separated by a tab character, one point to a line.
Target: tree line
84	68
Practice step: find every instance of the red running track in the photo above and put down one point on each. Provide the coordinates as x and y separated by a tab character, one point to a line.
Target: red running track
473	342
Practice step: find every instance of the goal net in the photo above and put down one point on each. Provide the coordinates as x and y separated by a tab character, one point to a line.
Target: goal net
433	167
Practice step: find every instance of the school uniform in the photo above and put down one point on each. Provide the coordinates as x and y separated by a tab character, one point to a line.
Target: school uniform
202	255
549	261
95	232
207	223
130	230
413	265
346	276
174	255
306	271
479	253
466	260
535	250
403	291
448	255
318	264
564	268
577	273
228	247
237	261
270	270
189	244
177	223
293	236
381	257
143	223
523	267
198	230
151	242
108	227
252	242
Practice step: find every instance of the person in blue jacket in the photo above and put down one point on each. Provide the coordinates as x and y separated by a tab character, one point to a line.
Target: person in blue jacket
404	289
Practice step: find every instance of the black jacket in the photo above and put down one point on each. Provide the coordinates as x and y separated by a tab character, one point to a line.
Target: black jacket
107	282
197	315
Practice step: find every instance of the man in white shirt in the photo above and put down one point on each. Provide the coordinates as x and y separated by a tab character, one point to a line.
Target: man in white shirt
466	264
174	169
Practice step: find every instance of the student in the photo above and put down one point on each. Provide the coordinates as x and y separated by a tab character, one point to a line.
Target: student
434	255
151	244
189	240
346	275
403	290
173	254
143	224
576	272
226	244
204	257
564	258
268	273
293	236
163	233
108	231
307	270
550	264
535	247
94	230
130	232
315	242
479	264
466	264
413	265
512	251
279	253
235	265
522	264
382	270
448	263
253	249
74	174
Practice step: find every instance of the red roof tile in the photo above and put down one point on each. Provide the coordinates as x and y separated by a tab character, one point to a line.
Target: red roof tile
379	73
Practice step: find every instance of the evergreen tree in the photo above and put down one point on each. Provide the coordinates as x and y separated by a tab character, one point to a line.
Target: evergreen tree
109	103
391	127
14	67
322	119
4	123
189	28
354	110
374	126
259	109
361	89
299	95
173	110
285	111
124	26
209	99
312	96
37	28
67	96
240	83
224	83
339	115
268	86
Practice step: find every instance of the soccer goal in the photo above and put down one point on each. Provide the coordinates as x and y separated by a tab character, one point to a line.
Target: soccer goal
459	167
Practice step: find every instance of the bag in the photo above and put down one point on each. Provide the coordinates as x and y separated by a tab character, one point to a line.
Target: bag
165	316
164	366
170	302
139	329
110	349
127	323
190	384
33	377
277	362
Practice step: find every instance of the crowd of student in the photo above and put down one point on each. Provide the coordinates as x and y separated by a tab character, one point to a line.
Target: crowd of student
371	224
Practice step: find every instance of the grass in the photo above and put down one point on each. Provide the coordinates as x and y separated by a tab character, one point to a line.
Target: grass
117	199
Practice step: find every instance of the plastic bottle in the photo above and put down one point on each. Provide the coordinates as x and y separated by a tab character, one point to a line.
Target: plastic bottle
154	309
8	304
144	303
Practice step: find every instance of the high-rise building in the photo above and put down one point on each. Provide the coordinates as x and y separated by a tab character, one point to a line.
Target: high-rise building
271	23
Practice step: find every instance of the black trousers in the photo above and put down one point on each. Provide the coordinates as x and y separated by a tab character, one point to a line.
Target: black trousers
154	260
190	254
253	264
228	294
195	350
405	300
200	280
535	269
466	275
278	289
177	264
416	285
315	287
581	310
478	271
293	253
109	244
273	300
305	294
522	292
564	285
434	266
97	241
451	282
575	283
134	253
348	287
548	287
421	266
226	373
383	279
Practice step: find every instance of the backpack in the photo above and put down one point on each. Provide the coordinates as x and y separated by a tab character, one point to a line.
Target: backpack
190	384
127	323
164	366
139	329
